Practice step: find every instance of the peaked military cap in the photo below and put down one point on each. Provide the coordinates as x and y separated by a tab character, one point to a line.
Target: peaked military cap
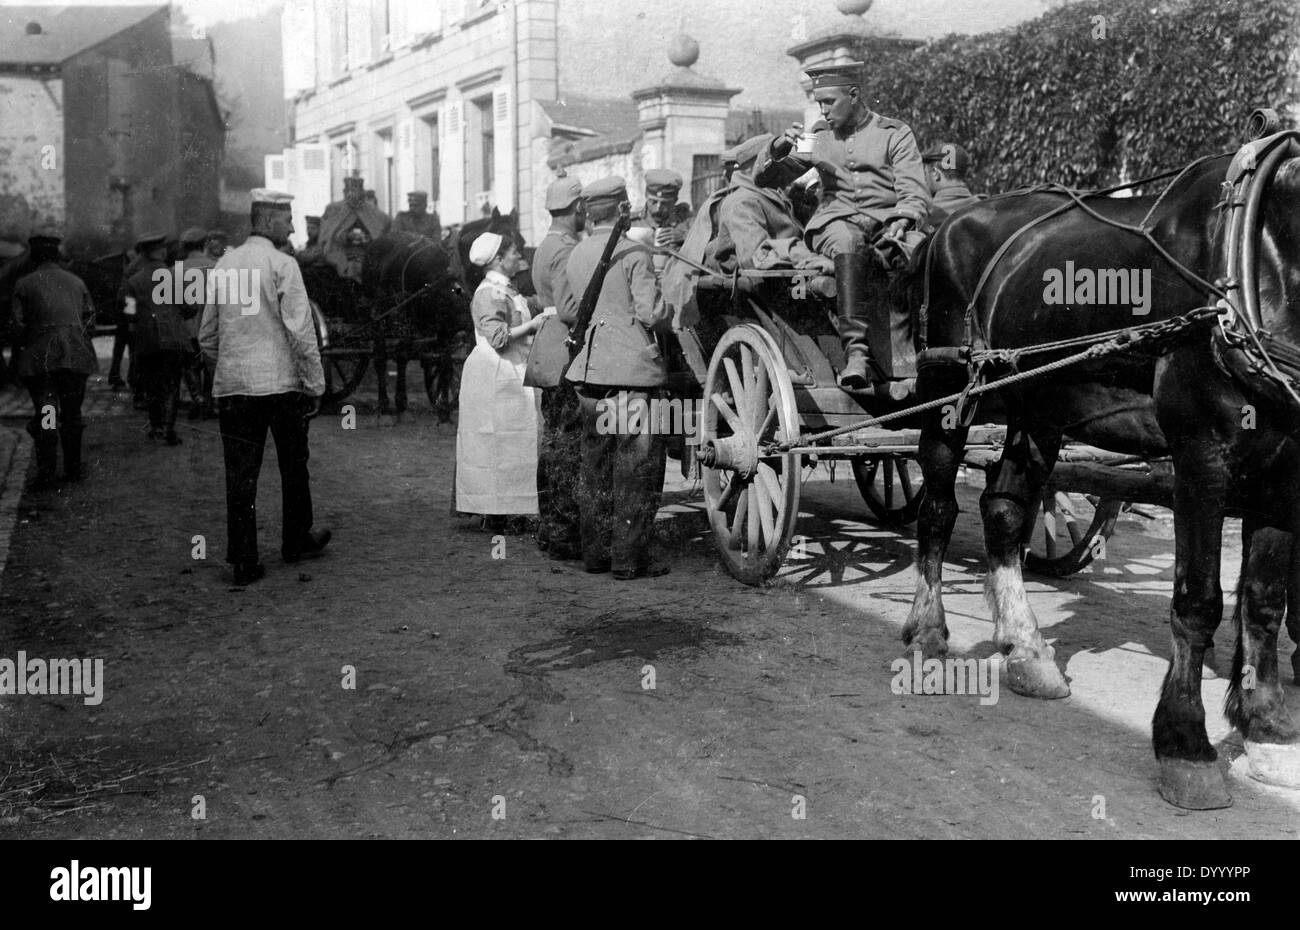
313	219
950	155
194	234
747	151
354	182
662	182
150	240
848	74
418	195
216	234
612	189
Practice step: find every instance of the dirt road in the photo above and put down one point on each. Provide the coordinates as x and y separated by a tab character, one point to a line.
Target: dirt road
508	697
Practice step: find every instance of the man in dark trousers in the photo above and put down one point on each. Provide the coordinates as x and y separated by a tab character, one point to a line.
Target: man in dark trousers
621	363
160	341
559	451
52	311
268	376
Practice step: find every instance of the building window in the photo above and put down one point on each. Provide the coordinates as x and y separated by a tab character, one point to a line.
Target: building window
434	158
381	18
385	170
487	151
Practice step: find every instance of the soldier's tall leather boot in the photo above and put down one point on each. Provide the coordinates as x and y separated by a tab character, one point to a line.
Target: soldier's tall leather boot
851	319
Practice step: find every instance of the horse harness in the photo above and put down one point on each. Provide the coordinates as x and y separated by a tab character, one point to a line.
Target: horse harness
1242	348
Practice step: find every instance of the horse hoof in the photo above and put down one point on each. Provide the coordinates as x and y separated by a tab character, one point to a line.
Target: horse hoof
929	643
1274	763
1193	786
1036	678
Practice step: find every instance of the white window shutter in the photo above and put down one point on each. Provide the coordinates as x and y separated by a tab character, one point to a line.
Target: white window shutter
313	177
358	32
504	150
422	16
405	157
275	172
452	185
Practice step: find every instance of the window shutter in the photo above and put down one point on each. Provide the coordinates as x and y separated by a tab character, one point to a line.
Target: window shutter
358	32
422	16
405	157
503	155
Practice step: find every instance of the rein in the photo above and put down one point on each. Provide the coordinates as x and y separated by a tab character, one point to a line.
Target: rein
1242	347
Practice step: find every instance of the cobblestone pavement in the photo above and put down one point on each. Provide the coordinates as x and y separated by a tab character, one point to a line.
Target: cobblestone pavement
426	679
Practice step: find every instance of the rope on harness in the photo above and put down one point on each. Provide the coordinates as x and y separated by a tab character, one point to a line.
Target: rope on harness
1119	342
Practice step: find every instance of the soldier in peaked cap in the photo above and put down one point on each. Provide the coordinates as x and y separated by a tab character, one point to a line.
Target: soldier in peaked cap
344	218
52	310
417	219
946	164
872	180
620	366
662	186
160	338
559	452
268	377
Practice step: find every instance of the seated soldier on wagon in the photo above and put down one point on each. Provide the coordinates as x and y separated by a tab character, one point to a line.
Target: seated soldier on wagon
873	183
348	226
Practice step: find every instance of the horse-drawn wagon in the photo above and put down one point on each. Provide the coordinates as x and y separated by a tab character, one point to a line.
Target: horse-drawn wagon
763	362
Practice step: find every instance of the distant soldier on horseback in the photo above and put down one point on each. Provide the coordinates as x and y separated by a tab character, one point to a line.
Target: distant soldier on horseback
874	186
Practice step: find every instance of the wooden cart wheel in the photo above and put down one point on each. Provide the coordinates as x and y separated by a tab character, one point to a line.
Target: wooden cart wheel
892	487
752	501
1071	531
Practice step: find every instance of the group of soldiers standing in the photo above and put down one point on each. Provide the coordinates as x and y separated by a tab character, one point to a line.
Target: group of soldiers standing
857	190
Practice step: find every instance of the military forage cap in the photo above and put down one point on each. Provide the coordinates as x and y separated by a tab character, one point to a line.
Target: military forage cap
265	197
195	234
662	182
150	240
418	195
848	74
612	189
563	193
747	151
950	155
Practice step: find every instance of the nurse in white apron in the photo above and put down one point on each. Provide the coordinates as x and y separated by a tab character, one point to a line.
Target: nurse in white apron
496	438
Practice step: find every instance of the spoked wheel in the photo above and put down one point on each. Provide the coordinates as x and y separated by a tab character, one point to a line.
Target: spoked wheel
442	379
1071	531
892	487
752	499
344	371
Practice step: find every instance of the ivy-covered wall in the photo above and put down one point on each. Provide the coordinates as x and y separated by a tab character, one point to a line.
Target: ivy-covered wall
1098	91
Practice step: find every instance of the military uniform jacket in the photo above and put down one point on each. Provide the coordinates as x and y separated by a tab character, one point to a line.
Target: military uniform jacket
874	171
339	219
748	217
423	224
51	308
948	199
550	276
620	350
159	326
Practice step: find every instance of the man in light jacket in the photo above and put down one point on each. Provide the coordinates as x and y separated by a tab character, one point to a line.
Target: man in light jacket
258	330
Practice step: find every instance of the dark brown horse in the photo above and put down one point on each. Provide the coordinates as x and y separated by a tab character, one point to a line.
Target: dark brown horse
1181	403
419	308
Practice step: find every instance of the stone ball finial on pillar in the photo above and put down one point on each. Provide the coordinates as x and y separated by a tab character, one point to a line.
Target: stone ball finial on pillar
683	51
853	7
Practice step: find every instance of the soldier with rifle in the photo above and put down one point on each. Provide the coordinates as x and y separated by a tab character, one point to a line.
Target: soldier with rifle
619	361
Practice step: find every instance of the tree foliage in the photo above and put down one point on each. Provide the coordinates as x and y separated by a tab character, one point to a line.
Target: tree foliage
1097	92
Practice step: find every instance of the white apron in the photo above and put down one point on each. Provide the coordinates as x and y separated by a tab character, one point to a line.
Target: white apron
497	435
